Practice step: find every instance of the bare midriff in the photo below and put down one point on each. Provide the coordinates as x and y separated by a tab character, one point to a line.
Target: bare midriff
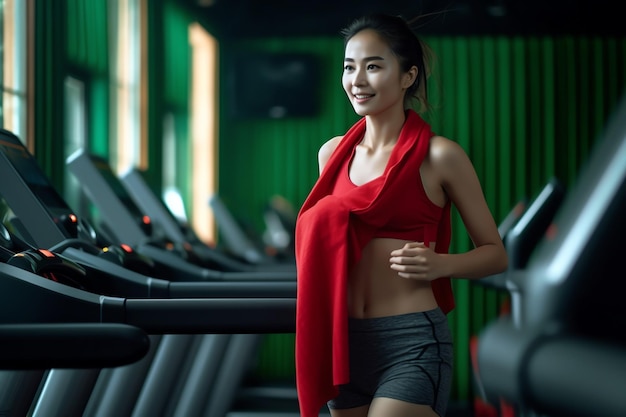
376	290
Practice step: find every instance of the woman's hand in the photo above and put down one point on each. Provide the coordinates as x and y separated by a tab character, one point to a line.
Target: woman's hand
415	260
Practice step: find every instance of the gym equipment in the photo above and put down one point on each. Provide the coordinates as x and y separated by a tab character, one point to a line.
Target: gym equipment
27	179
126	223
567	357
497	281
70	345
46	221
523	238
484	406
280	228
148	202
274	246
235	238
29	348
59	303
521	231
62	304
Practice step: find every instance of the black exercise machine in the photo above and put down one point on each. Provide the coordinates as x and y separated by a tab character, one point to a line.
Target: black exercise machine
127	224
520	231
44	220
567	356
37	202
171	228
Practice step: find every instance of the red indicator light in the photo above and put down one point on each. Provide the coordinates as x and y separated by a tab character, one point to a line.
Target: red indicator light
552	231
46	253
127	248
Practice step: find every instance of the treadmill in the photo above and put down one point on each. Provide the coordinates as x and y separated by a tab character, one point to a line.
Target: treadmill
35	346
43	214
567	356
117	207
520	231
235	238
127	224
56	303
28	348
523	238
44	220
148	202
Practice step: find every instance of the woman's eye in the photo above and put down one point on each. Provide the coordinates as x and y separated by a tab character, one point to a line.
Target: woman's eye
347	68
372	66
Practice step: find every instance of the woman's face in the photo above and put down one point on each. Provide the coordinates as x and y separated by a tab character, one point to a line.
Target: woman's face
372	78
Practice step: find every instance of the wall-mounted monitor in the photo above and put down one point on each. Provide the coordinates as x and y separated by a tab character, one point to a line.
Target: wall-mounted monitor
273	85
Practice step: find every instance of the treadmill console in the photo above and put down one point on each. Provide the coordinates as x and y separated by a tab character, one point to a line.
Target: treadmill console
41	210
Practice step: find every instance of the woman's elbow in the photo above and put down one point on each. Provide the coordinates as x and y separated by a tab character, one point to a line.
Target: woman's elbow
502	260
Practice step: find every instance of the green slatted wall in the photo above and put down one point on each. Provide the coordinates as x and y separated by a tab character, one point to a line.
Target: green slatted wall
87	35
525	109
49	72
176	85
88	58
71	39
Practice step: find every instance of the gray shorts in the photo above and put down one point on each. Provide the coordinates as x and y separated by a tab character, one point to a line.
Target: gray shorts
406	357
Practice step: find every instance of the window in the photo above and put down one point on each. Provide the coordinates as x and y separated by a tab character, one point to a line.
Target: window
75	123
204	114
127	148
13	107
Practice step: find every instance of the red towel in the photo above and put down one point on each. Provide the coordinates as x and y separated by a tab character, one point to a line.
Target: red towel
330	234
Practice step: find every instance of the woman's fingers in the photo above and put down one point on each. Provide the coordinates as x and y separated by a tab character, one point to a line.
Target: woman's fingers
409	249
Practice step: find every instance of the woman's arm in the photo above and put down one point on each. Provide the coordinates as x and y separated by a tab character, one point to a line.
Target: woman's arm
326	150
455	173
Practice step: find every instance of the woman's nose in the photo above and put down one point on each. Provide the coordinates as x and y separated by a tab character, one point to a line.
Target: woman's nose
359	79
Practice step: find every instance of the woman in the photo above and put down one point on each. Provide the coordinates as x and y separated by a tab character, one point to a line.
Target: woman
372	238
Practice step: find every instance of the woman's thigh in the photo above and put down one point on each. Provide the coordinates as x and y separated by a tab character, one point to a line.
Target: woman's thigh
350	412
386	407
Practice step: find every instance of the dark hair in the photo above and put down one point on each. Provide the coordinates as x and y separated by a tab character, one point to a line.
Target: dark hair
405	45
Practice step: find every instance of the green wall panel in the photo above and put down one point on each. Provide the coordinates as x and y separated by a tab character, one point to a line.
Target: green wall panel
87	35
88	59
154	100
49	72
70	38
525	109
176	87
177	54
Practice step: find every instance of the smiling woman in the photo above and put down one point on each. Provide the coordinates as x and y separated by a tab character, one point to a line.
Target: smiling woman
372	238
370	62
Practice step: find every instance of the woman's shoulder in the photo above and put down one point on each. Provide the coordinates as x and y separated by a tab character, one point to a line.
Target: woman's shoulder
448	159
330	145
445	151
326	150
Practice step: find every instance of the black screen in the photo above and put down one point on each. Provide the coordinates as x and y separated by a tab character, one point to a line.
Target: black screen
274	85
116	185
26	166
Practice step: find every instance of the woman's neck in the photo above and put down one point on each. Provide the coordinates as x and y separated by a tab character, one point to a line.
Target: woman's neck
383	129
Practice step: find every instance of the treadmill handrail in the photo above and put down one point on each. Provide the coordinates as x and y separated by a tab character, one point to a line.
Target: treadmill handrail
576	376
63	304
122	282
70	345
553	373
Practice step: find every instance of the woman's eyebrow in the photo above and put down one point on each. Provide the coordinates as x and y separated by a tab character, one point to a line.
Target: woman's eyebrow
369	58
